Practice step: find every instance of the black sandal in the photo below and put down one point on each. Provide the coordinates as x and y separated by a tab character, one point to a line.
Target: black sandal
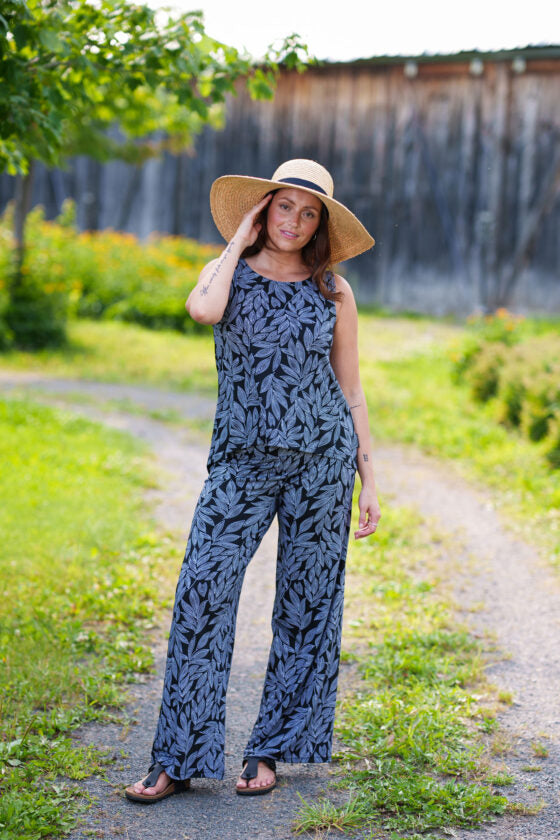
174	786
251	772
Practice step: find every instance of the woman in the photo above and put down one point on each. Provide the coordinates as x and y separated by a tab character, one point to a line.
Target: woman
291	428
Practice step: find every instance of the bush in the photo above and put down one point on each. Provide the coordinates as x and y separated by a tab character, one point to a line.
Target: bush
157	309
524	381
34	307
483	373
510	404
36	313
553	452
529	389
502	328
540	405
107	274
6	335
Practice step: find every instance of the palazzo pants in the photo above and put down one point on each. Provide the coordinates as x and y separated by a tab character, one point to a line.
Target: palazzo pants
312	498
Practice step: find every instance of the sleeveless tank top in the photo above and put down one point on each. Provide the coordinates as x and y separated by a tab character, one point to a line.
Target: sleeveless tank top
276	385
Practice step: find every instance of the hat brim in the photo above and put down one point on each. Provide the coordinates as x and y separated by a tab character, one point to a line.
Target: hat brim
231	196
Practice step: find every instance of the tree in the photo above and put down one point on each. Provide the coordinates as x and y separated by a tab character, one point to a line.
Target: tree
72	69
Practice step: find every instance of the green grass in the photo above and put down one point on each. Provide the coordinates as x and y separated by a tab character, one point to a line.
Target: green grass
406	372
413	400
80	587
416	753
115	352
419	750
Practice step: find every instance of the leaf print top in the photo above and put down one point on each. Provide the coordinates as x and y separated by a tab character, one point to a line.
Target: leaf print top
276	385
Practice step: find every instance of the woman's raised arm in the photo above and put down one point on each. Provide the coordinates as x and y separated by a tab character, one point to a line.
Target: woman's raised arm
207	301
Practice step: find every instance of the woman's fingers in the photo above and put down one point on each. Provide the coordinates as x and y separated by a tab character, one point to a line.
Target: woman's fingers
264	200
368	529
256	209
365	528
249	228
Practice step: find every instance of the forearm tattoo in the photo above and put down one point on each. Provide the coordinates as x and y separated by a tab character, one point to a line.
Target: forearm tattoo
365	457
204	289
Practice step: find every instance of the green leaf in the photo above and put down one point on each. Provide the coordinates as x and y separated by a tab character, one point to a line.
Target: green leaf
22	35
199	107
50	40
165	75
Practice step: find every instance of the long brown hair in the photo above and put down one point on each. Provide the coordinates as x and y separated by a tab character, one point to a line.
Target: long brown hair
316	255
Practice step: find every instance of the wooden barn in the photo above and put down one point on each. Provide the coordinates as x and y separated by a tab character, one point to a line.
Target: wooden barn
452	162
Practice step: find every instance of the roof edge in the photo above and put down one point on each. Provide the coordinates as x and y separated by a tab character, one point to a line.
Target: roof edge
541	51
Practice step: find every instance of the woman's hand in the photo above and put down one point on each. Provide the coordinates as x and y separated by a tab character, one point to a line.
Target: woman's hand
249	228
208	300
370	511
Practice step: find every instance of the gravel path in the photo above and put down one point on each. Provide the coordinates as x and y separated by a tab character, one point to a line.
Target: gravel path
504	590
501	586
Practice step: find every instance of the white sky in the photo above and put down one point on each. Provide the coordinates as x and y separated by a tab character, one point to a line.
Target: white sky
349	29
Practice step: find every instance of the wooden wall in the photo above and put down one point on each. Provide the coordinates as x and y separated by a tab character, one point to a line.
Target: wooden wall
450	170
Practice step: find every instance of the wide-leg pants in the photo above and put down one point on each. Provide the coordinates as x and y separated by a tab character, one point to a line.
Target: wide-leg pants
312	497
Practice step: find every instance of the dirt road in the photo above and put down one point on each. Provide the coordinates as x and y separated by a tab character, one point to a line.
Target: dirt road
501	586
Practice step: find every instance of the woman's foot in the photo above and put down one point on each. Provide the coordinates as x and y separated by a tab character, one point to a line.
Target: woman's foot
157	785
262	782
163	781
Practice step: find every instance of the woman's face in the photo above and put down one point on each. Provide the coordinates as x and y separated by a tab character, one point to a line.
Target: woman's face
293	218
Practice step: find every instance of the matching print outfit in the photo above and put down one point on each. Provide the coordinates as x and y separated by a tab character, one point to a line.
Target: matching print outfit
283	444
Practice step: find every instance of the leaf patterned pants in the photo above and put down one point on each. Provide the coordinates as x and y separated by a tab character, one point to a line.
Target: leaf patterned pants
312	498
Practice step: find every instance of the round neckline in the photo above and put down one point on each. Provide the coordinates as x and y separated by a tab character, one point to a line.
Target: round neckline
270	279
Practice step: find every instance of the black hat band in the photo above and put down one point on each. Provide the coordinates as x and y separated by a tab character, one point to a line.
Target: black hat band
300	182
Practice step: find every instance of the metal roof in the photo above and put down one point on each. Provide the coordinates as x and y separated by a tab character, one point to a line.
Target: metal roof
548	51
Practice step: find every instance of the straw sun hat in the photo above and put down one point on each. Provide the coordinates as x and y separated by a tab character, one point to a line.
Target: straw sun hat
232	196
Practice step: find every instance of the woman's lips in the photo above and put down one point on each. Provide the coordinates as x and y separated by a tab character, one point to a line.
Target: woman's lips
288	235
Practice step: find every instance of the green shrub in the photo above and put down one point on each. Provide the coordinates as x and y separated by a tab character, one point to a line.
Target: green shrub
107	274
529	390
33	305
158	309
463	356
6	335
539	407
502	328
523	380
510	403
36	314
483	374
553	452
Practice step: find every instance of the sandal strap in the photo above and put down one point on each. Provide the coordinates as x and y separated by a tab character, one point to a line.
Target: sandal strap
153	775
252	768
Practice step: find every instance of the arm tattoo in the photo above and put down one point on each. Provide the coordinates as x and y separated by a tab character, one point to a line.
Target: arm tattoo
204	289
365	457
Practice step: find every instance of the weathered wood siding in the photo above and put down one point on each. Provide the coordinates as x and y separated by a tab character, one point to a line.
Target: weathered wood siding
444	168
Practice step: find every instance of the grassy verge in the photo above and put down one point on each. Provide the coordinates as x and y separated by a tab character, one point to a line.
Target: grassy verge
413	400
80	587
416	738
115	352
417	725
406	372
